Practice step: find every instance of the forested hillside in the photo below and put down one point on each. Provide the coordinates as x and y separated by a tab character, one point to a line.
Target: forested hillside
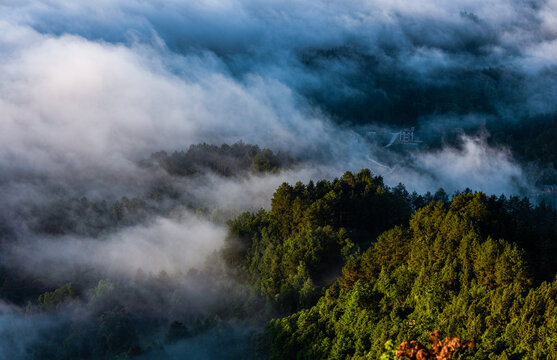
290	252
467	268
225	160
344	266
299	179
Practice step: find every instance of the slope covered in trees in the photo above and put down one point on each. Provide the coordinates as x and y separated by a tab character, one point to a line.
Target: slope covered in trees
291	251
225	160
350	264
448	269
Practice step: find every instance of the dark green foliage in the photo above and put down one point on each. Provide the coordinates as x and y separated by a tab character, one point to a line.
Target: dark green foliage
82	216
342	253
126	211
266	161
447	270
147	316
66	214
224	160
71	215
52	300
297	247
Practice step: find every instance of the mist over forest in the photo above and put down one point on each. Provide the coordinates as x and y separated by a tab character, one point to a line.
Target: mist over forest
278	180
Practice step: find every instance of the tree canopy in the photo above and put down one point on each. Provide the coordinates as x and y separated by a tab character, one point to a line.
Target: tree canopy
449	269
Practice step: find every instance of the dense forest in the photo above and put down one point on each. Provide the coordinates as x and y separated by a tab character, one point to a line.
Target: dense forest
305	179
81	313
334	269
449	268
227	160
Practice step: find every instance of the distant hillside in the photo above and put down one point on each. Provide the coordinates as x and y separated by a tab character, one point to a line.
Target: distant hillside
224	160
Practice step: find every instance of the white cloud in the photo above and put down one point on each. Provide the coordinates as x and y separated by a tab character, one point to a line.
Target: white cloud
170	245
475	165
